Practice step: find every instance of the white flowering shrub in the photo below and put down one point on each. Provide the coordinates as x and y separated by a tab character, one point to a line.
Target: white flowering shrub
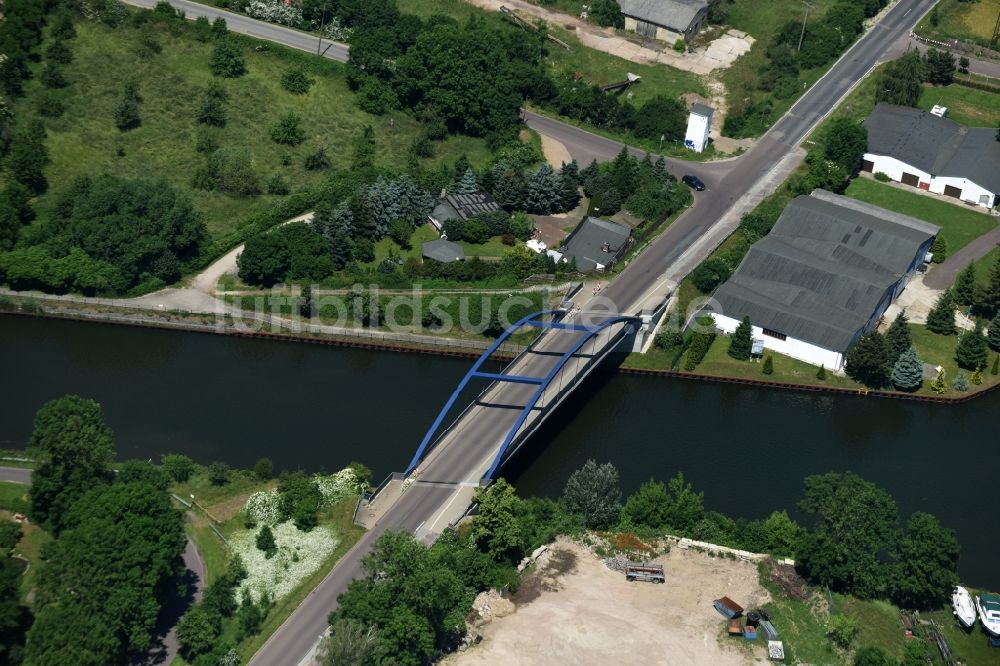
111	12
336	487
336	30
263	507
299	555
231	658
274	11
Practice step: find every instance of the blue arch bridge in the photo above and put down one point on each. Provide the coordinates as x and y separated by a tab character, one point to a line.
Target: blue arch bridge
502	409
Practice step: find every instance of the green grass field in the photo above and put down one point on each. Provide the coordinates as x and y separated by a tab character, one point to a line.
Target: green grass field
968	106
972	21
85	141
959	224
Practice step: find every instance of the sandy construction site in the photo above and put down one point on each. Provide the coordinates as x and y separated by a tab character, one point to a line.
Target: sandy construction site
574	610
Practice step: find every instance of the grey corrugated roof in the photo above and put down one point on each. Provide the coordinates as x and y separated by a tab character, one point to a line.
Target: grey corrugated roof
938	146
675	14
824	268
586	243
442	250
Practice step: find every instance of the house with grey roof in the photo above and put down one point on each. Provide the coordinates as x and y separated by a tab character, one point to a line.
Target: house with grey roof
666	20
461	207
823	276
442	250
933	153
596	244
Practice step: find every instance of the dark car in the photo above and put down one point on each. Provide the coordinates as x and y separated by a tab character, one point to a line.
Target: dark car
694	182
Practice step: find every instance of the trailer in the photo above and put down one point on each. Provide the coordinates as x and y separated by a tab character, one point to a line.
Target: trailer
644	571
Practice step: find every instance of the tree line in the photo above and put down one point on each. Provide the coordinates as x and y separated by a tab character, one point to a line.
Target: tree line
411	603
116	556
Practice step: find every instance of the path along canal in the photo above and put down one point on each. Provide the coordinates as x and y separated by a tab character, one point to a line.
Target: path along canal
216	397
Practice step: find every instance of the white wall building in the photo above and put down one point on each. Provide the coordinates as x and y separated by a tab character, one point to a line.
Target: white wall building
935	154
822	277
698	127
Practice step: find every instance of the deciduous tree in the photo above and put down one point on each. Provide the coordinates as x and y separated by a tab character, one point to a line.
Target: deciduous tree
593	491
925	570
227	56
496	530
854	527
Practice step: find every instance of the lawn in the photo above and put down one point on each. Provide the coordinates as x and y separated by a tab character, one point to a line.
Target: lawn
972	21
14	499
85	141
959	224
969	647
940	350
986	264
968	106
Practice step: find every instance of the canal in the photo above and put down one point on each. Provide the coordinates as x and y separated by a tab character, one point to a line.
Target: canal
319	407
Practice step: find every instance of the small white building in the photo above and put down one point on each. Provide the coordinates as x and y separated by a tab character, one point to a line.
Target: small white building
932	153
666	20
822	277
698	127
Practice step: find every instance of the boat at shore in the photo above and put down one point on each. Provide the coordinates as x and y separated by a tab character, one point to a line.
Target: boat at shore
964	607
989	613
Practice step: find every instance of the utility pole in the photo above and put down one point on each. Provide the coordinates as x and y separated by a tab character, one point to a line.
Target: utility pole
996	32
805	16
322	24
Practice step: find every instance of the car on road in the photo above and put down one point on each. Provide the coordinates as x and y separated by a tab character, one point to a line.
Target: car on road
694	182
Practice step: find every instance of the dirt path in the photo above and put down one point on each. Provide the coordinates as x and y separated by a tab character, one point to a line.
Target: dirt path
719	53
555	152
208	280
574	610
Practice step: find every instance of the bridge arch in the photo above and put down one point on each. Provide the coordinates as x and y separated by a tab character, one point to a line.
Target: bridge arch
534	320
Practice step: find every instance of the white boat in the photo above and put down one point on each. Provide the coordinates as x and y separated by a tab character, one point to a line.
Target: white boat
965	608
989	613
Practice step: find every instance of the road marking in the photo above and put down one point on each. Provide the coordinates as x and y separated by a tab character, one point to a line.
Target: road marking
907	12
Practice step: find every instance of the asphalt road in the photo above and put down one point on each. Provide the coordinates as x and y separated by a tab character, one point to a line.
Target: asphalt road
164	647
245	25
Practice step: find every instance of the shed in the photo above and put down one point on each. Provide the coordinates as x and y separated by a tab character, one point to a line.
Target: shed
666	20
442	250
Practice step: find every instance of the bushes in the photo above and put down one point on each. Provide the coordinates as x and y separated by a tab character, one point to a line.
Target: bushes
288	131
212	110
700	342
296	81
710	274
227	58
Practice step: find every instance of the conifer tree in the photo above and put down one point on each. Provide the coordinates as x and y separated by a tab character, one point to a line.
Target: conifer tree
995	370
742	342
821	373
994	339
961	383
977	376
571	170
965	286
897	338
939	250
768	366
971	350
908	372
509	190
941	319
938	385
544	191
467	184
868	360
988	299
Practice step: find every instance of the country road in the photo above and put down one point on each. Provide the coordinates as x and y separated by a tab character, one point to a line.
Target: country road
164	647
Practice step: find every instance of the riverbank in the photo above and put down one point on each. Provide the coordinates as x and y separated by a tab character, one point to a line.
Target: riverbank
374	340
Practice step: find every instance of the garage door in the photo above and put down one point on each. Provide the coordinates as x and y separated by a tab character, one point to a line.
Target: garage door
867	165
950	191
911	179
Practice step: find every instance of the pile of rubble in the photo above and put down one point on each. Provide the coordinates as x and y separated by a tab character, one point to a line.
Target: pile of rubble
616	563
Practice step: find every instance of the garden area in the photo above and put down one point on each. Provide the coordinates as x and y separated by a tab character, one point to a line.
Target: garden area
283	535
